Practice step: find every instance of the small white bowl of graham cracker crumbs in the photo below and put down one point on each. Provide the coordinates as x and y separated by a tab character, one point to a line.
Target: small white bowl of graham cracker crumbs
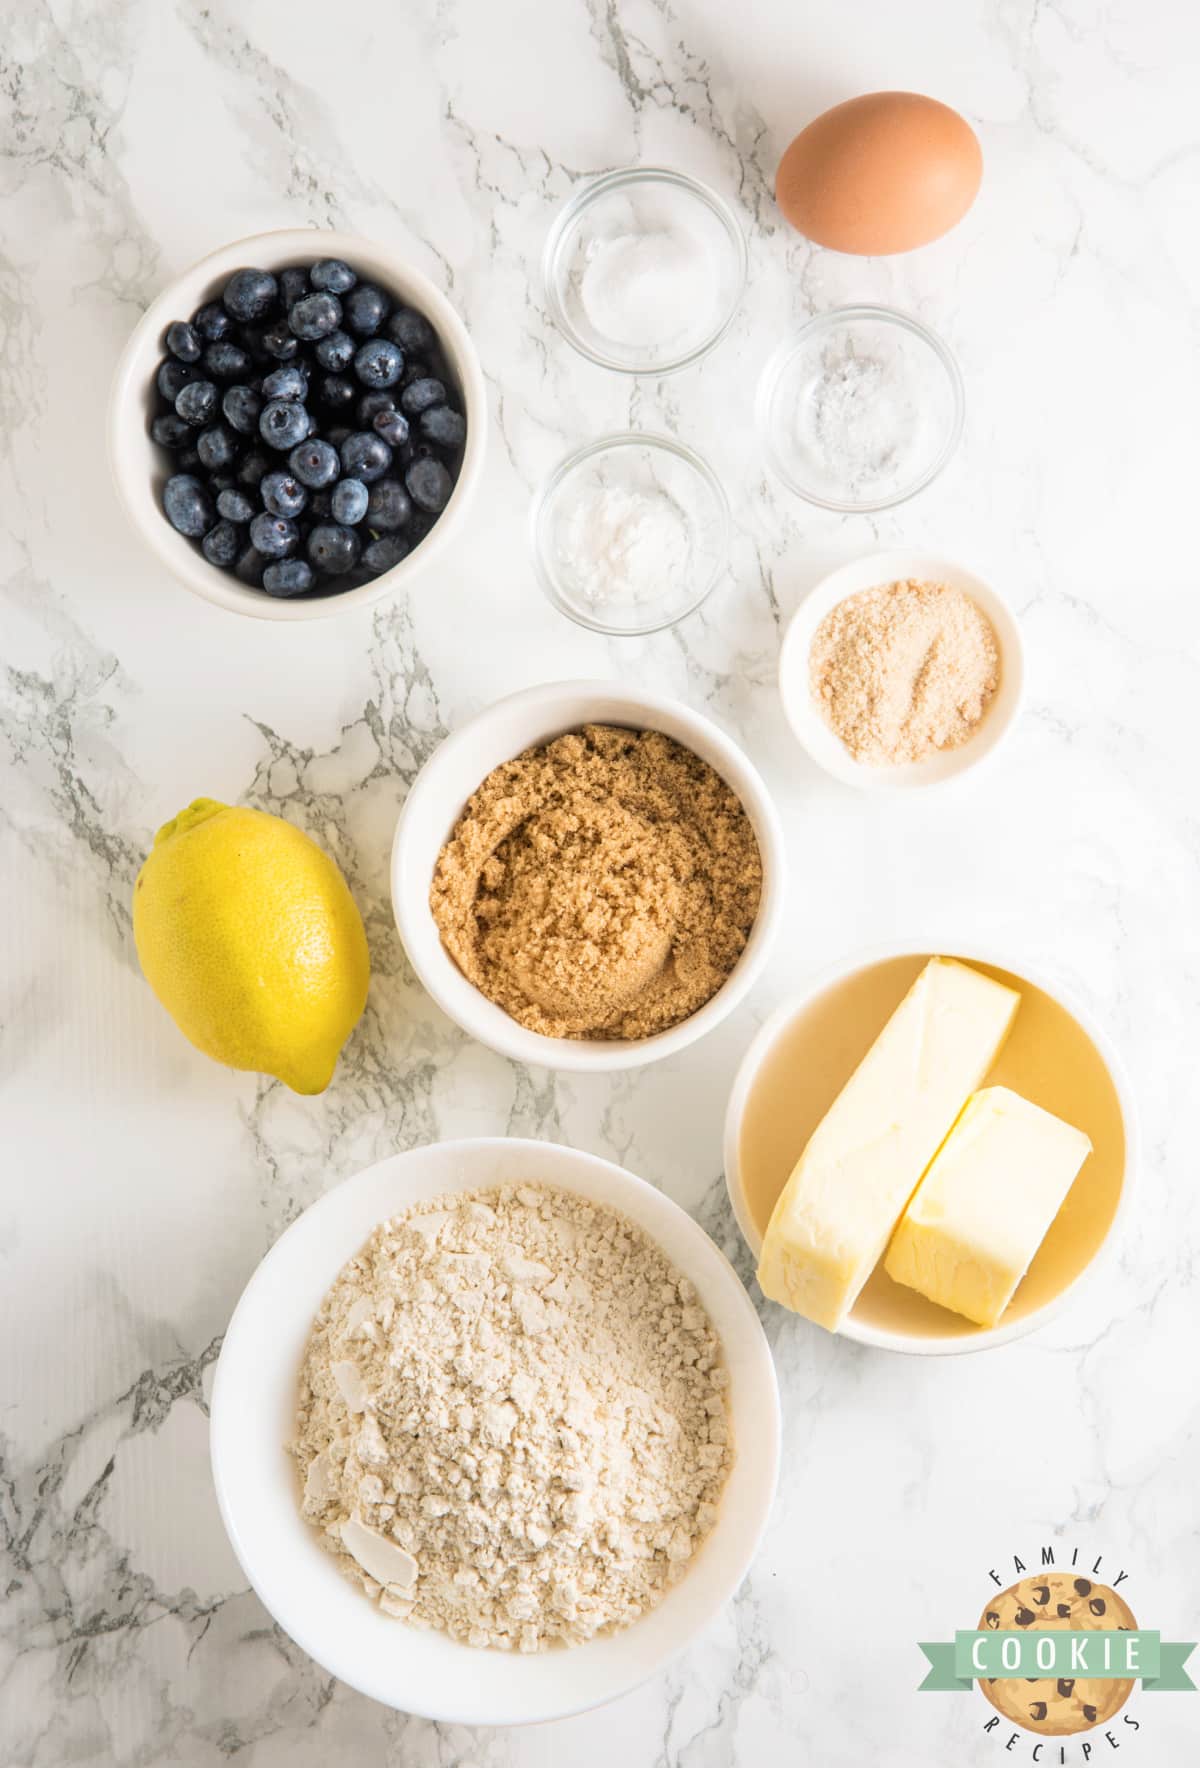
901	670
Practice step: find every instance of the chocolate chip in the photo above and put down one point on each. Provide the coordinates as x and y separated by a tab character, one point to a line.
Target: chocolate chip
1024	1617
1041	1594
1097	1605
1066	1686
1082	1587
992	1619
1038	1710
1089	1714
1064	1611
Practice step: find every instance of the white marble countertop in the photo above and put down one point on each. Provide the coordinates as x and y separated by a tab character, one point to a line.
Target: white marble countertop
142	1184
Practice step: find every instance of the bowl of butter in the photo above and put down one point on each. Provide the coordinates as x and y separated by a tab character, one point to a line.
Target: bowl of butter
929	1151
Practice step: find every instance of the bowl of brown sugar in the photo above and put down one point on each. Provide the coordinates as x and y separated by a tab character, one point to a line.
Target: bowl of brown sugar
586	877
901	670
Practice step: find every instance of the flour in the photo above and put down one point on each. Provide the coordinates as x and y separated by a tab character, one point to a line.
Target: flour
512	1418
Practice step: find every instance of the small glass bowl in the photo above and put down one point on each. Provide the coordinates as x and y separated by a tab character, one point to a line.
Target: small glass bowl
647	569
861	409
644	270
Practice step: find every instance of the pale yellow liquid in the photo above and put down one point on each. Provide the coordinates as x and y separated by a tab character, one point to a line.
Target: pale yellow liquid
1049	1058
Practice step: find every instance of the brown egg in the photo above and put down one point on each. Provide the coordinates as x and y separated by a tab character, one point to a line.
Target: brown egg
881	173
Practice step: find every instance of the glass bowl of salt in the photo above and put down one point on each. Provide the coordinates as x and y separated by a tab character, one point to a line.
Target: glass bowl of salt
644	270
630	534
860	409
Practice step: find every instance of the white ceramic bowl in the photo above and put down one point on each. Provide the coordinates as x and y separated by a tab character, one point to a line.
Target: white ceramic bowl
139	466
253	1415
826	749
944	1333
435	802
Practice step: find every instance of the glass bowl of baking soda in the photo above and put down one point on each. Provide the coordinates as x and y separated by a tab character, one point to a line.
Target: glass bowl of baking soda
644	270
630	534
861	409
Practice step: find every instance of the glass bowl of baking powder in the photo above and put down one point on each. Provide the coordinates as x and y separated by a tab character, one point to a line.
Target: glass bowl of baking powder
630	534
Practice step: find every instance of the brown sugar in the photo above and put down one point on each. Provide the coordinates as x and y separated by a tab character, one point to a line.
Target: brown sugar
600	886
903	669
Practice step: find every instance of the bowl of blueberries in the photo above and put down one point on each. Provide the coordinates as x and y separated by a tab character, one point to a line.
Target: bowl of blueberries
308	425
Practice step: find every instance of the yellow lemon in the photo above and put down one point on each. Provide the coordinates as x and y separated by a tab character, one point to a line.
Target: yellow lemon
251	940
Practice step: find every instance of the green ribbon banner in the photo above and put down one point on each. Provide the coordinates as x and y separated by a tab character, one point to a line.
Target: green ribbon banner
1101	1656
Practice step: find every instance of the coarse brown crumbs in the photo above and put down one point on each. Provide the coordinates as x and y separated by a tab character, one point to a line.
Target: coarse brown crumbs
602	885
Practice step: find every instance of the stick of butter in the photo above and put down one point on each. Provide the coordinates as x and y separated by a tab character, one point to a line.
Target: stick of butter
984	1207
848	1189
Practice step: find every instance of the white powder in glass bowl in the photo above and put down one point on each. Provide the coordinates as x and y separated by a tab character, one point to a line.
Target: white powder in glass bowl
624	545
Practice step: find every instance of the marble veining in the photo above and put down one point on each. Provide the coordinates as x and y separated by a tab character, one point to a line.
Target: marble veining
141	1184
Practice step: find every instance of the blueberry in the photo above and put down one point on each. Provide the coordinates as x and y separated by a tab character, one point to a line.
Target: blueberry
241	406
274	536
388	506
211	321
412	331
222	544
218	484
315	316
379	363
183	341
289	382
293	285
235	506
250	294
252	467
170	431
320	505
280	342
335	392
429	484
173	377
288	577
333	548
370	405
336	434
392	425
252	342
188	507
315	463
445	427
422	396
250	566
187	461
365	456
197	402
282	495
383	553
335	351
332	274
349	500
415	370
217	447
283	423
225	362
366	309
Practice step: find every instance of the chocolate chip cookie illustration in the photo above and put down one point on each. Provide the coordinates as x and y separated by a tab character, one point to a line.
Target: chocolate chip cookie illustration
1058	1602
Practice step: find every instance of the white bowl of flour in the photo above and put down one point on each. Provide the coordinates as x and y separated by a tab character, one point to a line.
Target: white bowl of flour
254	1417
